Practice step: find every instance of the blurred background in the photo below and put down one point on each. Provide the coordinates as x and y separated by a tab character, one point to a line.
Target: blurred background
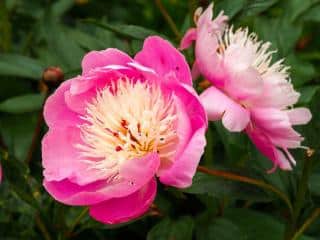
36	34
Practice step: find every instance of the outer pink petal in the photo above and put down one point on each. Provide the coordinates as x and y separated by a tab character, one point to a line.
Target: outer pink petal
119	210
61	159
234	117
110	56
208	33
181	173
267	148
134	174
161	56
188	38
299	116
277	126
56	112
191	137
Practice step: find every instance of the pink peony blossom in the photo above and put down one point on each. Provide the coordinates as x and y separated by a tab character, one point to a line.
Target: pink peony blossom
249	92
120	124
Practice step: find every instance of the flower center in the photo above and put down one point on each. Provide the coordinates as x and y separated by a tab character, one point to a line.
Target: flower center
128	120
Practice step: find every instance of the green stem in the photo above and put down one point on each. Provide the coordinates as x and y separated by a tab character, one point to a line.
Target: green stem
306	224
77	221
239	178
42	227
300	198
168	18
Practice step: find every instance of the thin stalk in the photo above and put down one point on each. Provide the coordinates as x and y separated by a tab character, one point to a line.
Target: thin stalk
42	228
306	224
168	19
252	181
299	198
77	221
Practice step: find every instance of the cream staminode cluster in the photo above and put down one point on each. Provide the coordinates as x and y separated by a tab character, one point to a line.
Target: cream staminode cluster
127	120
258	52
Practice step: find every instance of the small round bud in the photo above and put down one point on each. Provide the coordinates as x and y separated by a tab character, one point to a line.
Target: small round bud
52	77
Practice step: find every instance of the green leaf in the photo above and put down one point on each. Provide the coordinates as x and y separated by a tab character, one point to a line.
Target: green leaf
297	7
22	104
282	34
221	188
209	228
307	93
256	225
314	184
126	31
20	66
312	14
17	131
301	71
230	7
254	7
16	173
180	229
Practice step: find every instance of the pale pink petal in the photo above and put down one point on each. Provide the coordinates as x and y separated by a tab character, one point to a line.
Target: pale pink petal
134	174
188	38
56	112
299	116
208	33
276	124
217	105
162	57
244	85
118	210
110	56
195	70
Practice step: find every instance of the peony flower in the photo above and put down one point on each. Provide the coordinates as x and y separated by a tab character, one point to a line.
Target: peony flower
249	92
120	124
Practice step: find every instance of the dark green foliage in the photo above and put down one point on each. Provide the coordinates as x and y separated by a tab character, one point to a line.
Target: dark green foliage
35	34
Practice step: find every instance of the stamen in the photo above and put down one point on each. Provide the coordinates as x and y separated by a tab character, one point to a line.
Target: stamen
127	120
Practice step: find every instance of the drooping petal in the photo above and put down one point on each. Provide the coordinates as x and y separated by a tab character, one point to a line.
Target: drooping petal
110	56
161	56
118	210
267	148
188	38
217	105
134	174
299	116
276	124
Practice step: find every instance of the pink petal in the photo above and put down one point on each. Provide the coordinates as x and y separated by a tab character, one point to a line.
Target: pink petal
134	174
162	57
276	125
244	85
110	56
56	112
188	38
61	159
298	116
181	173
267	148
119	210
191	132
234	117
